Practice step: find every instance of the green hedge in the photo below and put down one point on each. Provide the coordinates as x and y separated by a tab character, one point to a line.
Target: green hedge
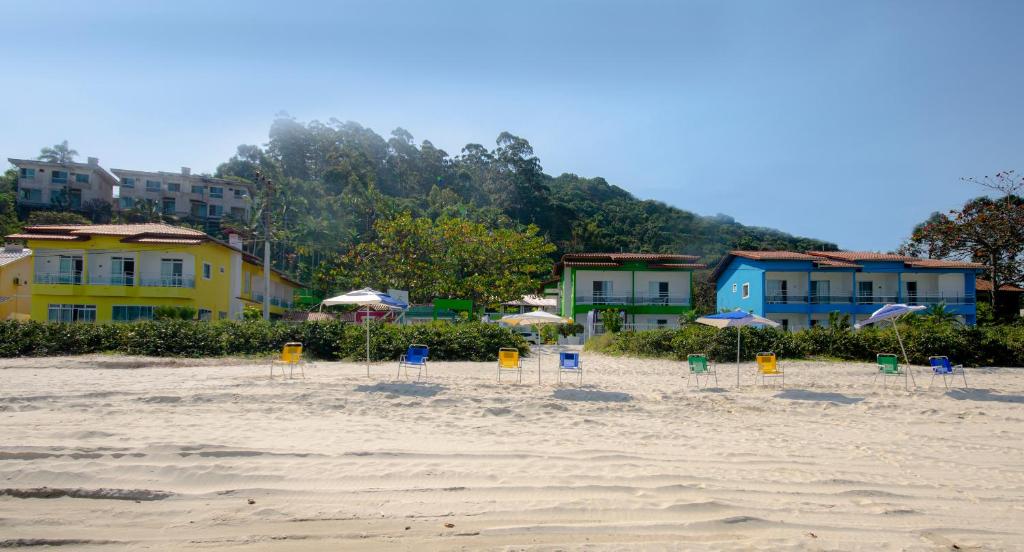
324	340
972	346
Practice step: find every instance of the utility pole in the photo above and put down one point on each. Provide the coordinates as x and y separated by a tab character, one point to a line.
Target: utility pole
268	187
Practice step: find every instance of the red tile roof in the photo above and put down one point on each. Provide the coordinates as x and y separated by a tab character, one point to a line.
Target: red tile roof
937	263
859	256
985	285
630	256
773	255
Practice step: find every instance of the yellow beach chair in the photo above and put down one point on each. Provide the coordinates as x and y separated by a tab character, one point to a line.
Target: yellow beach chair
291	356
509	361
768	367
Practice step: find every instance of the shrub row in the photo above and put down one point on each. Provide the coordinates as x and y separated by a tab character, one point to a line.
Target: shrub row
972	346
324	340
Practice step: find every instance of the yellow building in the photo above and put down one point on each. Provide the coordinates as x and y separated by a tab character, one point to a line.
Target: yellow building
15	275
121	272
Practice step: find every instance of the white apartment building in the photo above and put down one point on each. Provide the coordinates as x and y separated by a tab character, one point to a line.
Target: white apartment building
45	184
183	194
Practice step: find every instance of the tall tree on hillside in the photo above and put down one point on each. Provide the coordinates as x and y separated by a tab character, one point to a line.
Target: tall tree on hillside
58	153
985	230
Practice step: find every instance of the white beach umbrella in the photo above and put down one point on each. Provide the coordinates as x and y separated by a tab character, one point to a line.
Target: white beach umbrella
370	299
533	318
892	312
736	319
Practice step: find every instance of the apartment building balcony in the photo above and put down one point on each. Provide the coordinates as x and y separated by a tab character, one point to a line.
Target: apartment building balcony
63	278
935	299
631	301
125	285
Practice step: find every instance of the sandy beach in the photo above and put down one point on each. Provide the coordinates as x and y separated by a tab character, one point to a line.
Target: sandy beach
106	452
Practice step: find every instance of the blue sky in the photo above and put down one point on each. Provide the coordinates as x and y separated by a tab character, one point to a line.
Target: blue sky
846	121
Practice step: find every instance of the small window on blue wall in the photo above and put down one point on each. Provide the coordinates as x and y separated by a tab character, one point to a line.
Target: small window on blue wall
746	291
734	288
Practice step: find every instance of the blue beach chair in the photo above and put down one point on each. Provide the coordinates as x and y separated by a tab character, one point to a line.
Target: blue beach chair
941	366
570	362
414	357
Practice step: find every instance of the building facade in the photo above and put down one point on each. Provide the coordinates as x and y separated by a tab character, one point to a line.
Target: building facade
122	272
43	184
183	194
650	290
799	290
15	281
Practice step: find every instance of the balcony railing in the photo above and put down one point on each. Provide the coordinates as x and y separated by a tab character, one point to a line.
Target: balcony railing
875	299
112	280
641	300
73	278
785	299
169	282
831	299
665	300
939	298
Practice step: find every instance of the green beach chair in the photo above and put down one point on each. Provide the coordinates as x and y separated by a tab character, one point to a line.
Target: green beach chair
699	366
888	366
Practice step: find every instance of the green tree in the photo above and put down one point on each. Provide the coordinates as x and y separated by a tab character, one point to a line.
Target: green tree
58	153
40	218
144	210
452	258
986	230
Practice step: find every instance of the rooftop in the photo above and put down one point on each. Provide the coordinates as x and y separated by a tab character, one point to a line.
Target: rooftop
148	233
840	259
615	260
8	254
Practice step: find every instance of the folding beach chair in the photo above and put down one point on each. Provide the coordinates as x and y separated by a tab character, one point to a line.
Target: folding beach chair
699	366
888	365
414	357
768	367
941	366
509	361
570	362
291	356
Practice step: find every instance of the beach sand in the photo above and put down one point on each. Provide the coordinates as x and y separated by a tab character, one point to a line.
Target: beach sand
211	454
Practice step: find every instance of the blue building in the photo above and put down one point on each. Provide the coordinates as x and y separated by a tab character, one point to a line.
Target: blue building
799	290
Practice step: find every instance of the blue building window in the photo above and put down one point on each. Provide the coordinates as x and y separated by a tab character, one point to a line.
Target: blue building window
127	182
82	178
152	185
216	192
59	177
27	174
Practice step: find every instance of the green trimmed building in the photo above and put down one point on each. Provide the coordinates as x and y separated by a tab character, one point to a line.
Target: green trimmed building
651	289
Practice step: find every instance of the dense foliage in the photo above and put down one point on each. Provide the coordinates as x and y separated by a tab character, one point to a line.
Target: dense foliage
323	340
334	181
971	346
450	257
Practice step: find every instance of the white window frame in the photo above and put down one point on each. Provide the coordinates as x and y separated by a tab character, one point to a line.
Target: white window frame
207	271
734	287
746	290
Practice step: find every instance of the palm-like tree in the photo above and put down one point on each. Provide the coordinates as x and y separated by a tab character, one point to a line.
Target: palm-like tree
940	314
59	153
146	210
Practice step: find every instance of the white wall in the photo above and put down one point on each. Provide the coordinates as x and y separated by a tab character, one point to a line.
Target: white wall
678	283
841	283
622	281
796	282
951	284
796	321
148	264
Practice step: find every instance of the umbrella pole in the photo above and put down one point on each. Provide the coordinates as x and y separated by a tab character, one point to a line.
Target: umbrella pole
908	375
366	322
737	356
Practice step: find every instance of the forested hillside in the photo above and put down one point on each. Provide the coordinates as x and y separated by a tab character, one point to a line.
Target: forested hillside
333	181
